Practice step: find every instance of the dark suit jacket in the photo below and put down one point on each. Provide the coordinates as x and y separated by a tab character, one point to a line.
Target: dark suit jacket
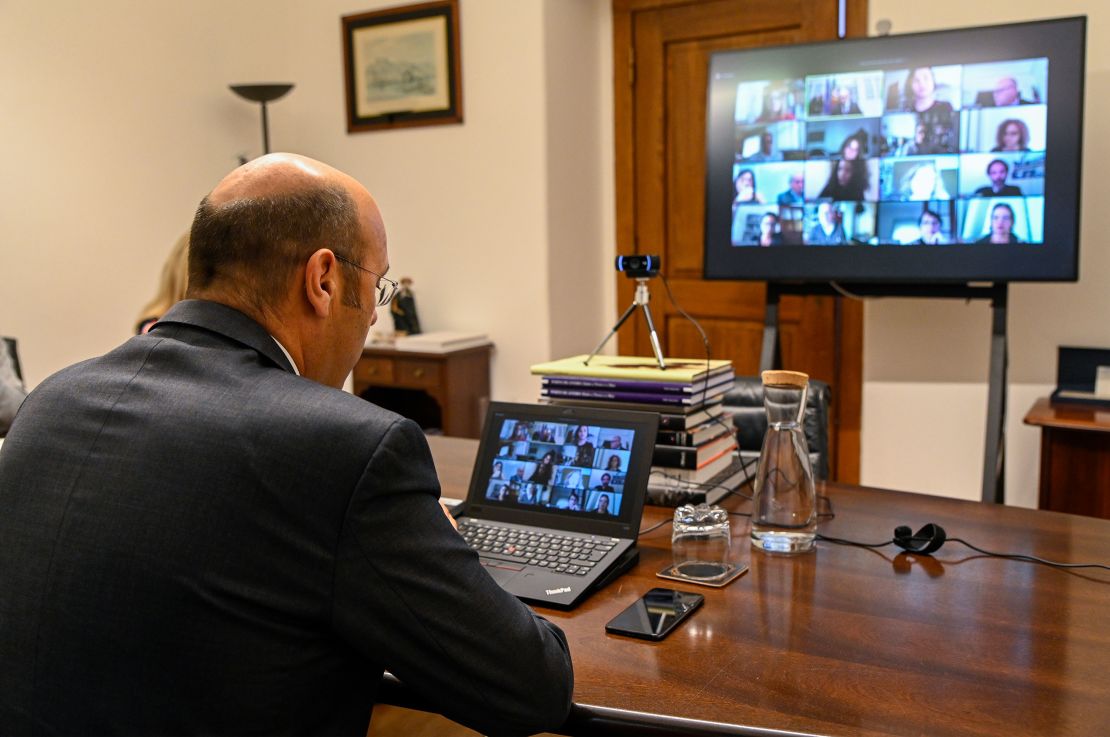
1008	190
196	540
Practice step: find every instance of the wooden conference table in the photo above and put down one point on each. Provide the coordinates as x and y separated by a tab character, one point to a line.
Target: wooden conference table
849	641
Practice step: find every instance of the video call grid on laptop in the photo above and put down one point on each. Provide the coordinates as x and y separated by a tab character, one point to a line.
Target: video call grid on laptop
575	474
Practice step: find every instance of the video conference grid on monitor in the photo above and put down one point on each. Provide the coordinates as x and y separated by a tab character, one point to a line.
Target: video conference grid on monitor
930	155
575	468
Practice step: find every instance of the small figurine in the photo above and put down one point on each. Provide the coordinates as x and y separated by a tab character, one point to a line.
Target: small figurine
403	310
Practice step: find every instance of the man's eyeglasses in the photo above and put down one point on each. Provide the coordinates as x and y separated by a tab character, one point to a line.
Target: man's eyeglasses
386	287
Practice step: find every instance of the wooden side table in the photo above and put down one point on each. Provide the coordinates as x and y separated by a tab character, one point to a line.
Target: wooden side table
458	381
1075	457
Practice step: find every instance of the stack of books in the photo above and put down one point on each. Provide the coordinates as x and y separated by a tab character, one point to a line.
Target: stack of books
695	450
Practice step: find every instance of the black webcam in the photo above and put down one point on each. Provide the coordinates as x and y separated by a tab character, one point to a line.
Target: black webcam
638	267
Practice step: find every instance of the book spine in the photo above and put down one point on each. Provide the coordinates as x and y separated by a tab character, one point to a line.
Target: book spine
673	457
675	496
675	437
679	371
690	458
684	422
691	438
617	396
654	387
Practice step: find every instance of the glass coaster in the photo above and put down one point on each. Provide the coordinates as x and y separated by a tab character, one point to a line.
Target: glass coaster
704	574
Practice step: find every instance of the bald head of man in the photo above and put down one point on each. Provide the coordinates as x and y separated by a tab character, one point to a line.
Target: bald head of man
300	247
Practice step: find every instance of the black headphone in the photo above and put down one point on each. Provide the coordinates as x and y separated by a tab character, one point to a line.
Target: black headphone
926	542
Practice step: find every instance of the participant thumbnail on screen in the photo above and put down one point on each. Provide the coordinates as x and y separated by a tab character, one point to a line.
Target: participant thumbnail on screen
854	138
769	101
920	178
842	179
918	223
1001	220
1006	83
850	93
924	90
1005	130
771	142
839	223
760	225
1002	175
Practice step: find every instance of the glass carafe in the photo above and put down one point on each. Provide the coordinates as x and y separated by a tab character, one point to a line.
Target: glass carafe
784	508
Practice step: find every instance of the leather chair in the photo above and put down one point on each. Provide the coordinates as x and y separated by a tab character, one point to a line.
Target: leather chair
745	402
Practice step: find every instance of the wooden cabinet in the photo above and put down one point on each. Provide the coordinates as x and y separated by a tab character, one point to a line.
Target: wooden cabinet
1075	457
457	382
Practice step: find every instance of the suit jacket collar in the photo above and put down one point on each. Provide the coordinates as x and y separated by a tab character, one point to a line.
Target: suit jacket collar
229	322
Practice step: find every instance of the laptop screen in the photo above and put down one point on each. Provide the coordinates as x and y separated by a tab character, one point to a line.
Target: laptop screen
571	461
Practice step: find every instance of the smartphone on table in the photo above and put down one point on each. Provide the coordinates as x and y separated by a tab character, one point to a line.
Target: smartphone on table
655	614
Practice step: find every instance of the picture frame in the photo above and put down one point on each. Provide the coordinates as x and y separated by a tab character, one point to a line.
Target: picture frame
402	66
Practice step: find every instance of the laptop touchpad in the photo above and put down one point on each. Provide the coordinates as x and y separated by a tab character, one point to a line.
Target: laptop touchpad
502	573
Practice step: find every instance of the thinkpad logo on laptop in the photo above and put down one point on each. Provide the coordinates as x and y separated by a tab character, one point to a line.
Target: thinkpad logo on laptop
560	590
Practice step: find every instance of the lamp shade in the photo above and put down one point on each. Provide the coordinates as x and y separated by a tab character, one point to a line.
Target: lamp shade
267	92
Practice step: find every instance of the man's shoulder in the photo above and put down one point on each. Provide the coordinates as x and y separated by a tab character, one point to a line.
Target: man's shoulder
304	397
171	376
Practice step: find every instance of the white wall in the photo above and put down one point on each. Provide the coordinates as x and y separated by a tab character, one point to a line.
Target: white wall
580	183
118	119
925	361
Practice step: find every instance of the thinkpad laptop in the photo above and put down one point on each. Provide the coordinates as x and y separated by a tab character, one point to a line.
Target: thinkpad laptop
556	497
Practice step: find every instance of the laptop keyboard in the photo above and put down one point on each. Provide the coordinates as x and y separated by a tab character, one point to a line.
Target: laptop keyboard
571	554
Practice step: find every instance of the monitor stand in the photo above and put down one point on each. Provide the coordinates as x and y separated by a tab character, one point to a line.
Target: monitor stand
993	486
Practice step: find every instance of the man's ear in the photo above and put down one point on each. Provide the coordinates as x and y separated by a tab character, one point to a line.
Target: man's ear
321	281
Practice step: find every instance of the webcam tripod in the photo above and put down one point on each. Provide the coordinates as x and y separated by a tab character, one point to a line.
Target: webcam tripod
640	299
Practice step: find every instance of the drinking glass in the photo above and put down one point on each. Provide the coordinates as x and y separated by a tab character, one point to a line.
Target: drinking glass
700	543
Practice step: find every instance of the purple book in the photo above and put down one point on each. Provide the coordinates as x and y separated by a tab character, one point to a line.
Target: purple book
622	396
643	387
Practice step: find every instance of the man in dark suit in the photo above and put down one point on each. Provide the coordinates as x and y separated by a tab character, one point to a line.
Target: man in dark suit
202	534
997	171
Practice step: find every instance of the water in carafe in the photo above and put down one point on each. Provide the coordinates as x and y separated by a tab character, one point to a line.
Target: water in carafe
784	507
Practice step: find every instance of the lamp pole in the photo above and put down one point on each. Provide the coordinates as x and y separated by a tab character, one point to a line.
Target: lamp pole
262	93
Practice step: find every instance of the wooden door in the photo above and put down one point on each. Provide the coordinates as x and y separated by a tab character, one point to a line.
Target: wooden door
661	53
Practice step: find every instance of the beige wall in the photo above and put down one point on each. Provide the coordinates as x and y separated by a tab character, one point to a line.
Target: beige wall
118	119
925	361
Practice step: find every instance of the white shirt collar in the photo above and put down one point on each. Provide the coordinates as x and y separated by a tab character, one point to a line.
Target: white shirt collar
291	361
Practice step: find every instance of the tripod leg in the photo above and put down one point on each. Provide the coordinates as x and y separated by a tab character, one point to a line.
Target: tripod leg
654	336
612	332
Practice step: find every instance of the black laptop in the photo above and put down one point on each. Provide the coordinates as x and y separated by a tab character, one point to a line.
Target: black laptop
556	497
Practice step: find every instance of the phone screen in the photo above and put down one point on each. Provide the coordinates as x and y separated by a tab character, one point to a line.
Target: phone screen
655	614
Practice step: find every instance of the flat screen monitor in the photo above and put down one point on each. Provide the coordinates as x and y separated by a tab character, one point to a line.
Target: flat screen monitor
943	157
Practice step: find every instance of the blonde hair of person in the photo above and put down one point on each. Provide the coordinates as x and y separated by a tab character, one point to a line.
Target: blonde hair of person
172	285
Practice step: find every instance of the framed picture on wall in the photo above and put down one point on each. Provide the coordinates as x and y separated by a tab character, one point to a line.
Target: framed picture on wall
402	66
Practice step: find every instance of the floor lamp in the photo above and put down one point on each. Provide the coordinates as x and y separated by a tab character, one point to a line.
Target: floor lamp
262	93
